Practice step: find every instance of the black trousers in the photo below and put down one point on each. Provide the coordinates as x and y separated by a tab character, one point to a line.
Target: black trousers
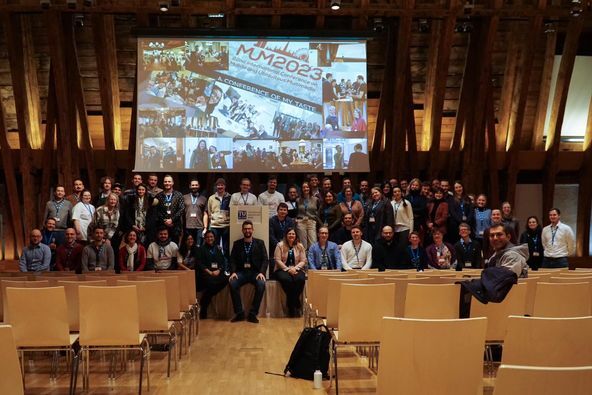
293	287
210	285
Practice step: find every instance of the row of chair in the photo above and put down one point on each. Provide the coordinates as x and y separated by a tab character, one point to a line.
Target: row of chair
541	356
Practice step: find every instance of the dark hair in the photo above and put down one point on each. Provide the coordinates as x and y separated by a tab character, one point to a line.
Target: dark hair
464	225
183	250
402	196
508	229
247	222
161	228
556	209
357	227
126	236
282	205
285	239
538	227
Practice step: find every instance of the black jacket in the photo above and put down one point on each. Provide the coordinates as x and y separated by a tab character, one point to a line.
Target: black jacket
385	255
259	258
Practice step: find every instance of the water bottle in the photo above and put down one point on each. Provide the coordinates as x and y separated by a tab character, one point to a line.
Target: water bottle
318	379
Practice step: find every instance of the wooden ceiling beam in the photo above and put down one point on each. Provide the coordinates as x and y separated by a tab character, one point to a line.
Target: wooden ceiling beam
106	54
566	66
507	95
537	142
47	173
493	175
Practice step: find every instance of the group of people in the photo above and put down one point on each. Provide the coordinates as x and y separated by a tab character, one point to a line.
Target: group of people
397	225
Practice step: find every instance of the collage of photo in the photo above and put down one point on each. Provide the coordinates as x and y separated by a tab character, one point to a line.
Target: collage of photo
201	106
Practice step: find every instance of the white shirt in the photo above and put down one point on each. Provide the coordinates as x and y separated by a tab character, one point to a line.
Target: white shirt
403	216
272	200
356	259
162	257
83	213
239	199
559	241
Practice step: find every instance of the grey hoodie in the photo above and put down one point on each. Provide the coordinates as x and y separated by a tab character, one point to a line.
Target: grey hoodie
512	257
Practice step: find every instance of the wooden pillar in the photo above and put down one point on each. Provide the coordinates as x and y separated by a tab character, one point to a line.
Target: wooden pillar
493	176
62	94
106	53
570	47
9	175
395	138
438	61
48	145
544	89
585	193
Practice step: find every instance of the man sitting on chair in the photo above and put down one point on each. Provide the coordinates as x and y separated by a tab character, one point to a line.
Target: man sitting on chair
248	260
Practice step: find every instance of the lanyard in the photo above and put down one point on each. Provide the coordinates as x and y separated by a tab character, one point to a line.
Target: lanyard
553	233
396	207
248	247
414	256
98	252
357	251
481	216
305	205
535	240
291	260
88	208
374	205
194	199
58	206
47	240
349	205
466	246
282	225
245	198
168	199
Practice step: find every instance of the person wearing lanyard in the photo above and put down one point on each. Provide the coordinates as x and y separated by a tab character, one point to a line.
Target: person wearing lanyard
324	254
271	197
244	197
378	214
532	237
219	214
290	264
307	216
460	210
468	251
82	215
196	218
170	209
69	254
413	256
97	256
292	201
558	241
441	255
356	253
59	209
403	218
212	271
36	256
278	225
248	264
162	253
52	238
329	212
76	196
352	206
482	217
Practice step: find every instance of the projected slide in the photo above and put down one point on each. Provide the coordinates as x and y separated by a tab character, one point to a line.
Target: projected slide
251	105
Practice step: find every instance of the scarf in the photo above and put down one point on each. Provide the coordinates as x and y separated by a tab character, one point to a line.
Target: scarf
131	252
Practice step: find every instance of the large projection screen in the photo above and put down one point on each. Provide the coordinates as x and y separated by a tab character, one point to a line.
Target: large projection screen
251	105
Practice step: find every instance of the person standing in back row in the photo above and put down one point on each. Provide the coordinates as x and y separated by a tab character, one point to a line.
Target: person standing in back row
558	240
271	198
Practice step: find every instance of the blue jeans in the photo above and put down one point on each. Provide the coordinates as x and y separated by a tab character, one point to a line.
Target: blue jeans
553	263
246	277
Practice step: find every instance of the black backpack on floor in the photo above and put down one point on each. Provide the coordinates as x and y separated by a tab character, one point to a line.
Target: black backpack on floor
310	353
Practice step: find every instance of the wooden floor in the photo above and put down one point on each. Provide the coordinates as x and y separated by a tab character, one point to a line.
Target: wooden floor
226	358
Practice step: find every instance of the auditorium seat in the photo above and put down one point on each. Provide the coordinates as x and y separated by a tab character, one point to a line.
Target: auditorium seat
432	301
534	380
11	381
562	300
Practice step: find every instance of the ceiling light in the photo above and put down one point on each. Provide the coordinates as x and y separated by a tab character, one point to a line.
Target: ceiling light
335	5
163	6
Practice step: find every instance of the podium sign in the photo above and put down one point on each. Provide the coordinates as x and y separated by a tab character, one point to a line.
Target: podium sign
259	215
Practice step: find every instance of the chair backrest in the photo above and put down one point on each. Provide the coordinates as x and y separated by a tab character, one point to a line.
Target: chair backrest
21	283
562	300
71	289
334	295
109	316
313	276
361	308
573	273
151	304
534	341
437	273
173	294
39	316
53	280
401	290
531	285
570	279
497	313
11	381
184	285
426	357
368	274
320	291
432	301
521	380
